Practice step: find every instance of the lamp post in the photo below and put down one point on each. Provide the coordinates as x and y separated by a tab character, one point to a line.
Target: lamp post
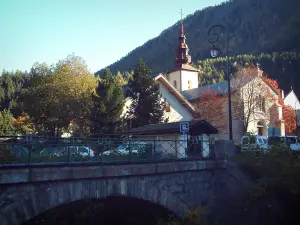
213	38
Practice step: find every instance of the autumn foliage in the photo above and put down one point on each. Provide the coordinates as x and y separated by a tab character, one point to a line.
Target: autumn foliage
209	107
23	124
288	112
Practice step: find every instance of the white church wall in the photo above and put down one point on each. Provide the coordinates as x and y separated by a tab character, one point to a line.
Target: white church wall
175	76
187	76
175	104
173	115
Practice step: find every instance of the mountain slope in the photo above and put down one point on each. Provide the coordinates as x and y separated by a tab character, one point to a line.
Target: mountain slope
254	26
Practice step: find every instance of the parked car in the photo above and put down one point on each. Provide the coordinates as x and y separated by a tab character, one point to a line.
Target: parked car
20	151
292	142
289	141
124	149
256	143
83	151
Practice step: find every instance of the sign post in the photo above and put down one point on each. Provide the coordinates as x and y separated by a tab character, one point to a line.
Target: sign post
184	127
184	130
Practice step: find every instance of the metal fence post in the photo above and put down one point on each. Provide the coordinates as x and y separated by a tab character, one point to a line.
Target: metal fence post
154	150
130	151
29	154
68	154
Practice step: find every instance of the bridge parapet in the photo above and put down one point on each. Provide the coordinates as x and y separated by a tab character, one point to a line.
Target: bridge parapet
48	173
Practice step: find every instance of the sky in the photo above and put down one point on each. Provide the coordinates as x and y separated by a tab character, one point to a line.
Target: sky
99	31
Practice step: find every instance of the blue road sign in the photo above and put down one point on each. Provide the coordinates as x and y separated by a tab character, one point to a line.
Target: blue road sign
184	127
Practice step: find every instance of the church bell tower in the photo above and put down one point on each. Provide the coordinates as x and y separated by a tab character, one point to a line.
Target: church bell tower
183	76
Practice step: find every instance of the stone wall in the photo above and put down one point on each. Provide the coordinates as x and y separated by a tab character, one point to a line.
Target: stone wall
176	185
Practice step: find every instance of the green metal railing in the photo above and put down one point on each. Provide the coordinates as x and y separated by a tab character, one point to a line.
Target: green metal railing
37	150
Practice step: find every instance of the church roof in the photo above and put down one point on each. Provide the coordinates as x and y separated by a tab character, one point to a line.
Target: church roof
194	94
186	67
219	88
197	127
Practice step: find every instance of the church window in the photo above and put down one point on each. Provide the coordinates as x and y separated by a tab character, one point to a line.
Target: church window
189	84
168	108
261	103
175	83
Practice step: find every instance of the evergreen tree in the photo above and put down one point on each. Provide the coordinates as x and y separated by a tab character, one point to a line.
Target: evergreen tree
108	103
146	107
6	123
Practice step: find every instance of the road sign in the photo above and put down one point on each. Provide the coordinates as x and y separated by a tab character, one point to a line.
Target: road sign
184	127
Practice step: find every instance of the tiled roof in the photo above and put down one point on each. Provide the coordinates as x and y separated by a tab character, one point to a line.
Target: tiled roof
183	67
193	94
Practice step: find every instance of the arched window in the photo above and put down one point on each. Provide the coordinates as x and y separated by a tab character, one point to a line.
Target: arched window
175	83
261	103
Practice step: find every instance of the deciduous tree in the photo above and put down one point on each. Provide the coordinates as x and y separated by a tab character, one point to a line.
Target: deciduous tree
209	107
288	112
24	124
59	94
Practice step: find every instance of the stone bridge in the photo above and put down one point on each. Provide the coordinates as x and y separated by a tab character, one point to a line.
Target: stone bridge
179	185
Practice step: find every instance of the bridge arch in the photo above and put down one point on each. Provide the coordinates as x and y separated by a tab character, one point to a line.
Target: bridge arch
19	204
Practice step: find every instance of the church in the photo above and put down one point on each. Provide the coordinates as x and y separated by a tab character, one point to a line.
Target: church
180	90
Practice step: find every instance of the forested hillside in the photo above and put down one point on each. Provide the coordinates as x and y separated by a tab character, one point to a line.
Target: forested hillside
254	27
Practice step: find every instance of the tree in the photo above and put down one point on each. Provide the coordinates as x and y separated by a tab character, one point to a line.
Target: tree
59	95
255	96
24	124
209	107
289	117
108	104
147	106
12	84
275	192
72	75
288	113
6	123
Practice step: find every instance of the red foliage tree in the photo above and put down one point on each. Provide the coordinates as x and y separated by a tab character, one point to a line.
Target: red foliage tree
209	107
288	112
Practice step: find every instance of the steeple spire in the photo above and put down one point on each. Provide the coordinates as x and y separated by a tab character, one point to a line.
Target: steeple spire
182	56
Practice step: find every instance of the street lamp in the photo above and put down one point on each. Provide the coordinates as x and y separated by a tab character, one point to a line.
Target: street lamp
214	37
214	51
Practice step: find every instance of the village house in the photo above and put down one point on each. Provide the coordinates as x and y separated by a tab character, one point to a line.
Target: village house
180	89
291	100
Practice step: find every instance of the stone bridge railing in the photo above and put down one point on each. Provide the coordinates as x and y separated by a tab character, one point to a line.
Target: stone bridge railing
48	173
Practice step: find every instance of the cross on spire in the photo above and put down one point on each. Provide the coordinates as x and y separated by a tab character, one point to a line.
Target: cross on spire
181	14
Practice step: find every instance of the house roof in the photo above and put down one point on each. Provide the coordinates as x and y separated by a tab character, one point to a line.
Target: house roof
186	67
291	93
175	92
196	127
219	88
